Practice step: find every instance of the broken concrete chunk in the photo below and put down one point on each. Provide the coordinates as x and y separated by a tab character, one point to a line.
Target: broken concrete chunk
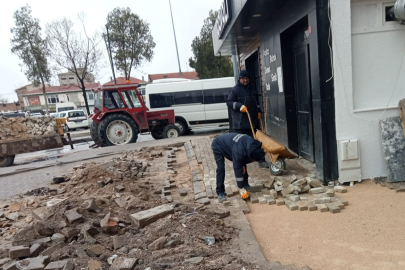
19	252
52	249
35	250
58	237
158	244
81	253
42	229
90	205
128	264
94	265
193	261
72	216
118	241
13	216
204	201
119	188
221	213
70	232
143	218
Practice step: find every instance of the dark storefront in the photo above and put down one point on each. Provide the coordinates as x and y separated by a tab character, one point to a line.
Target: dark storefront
284	46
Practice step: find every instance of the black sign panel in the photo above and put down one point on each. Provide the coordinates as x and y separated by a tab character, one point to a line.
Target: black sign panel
223	19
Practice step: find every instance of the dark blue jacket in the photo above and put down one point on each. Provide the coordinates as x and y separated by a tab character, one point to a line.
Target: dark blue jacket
238	148
243	95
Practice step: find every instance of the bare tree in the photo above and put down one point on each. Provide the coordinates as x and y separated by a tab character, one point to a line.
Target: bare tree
76	52
3	100
31	48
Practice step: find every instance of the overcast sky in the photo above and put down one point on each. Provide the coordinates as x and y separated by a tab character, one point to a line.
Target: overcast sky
188	19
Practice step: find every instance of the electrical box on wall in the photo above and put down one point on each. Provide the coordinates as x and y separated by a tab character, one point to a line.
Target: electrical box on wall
349	161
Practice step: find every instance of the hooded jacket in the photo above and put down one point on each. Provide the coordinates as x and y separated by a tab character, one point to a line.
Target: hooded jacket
243	95
241	149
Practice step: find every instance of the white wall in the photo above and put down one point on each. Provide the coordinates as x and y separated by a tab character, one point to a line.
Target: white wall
367	60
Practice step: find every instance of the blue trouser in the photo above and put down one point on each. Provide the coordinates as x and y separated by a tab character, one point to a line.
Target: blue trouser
220	160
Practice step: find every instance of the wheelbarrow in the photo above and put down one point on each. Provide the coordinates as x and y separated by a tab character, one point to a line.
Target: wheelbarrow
277	152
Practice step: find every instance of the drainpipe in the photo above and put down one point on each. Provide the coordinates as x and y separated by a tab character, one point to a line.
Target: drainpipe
236	76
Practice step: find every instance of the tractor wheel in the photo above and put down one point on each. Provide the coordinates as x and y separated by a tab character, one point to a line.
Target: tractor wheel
94	132
6	161
117	129
157	134
181	126
171	131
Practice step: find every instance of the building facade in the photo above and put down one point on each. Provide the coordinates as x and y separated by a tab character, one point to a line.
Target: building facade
70	78
325	71
191	75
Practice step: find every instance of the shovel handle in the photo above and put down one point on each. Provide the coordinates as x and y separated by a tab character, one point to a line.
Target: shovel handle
250	121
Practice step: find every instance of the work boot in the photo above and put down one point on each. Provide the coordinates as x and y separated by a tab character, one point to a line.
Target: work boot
244	194
221	197
263	164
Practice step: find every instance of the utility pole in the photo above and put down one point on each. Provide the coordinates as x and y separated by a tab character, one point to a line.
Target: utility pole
175	41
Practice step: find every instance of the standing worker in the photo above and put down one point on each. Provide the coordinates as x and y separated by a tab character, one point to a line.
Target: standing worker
241	150
242	99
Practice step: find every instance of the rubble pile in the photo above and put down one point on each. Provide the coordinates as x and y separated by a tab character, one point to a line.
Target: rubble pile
114	216
20	127
299	193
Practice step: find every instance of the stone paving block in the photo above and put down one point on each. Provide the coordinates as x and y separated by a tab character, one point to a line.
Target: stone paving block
262	200
312	206
118	241
256	188
288	190
322	200
266	191
274	193
229	191
344	201
280	201
60	265
221	213
313	182
305	189
72	216
183	192
271	201
235	189
38	263
333	208
302	205
200	195
19	252
339	204
204	201
299	182
294	198
291	205
35	250
52	249
128	264
322	208
254	198
317	190
143	218
340	189
277	187
10	266
330	193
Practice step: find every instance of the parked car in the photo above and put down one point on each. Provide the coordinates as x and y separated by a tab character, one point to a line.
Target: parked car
74	119
36	115
54	115
62	107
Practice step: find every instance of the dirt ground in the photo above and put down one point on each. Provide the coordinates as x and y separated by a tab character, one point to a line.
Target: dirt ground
367	234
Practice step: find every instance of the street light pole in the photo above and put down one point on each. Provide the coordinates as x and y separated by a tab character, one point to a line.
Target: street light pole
175	41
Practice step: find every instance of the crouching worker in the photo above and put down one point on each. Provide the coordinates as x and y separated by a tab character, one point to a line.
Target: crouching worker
241	150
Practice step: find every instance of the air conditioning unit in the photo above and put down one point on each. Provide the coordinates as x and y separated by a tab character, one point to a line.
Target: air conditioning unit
399	10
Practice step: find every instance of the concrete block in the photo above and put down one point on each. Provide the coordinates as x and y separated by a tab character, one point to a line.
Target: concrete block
305	189
322	200
220	213
294	198
204	201
322	208
288	190
254	198
35	250
280	202
266	191
37	263
183	192
262	200
118	241
52	249
143	218
312	206
302	206
333	208
256	188
317	190
200	195
19	252
340	189
299	182
277	187
58	237
339	204
291	205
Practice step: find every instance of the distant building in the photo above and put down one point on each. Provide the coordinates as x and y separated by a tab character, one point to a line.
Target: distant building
10	107
24	90
35	100
192	75
122	80
70	78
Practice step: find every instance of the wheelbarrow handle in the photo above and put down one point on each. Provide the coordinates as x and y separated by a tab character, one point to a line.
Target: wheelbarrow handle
251	125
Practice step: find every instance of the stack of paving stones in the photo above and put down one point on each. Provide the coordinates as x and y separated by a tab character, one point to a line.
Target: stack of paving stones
294	191
169	184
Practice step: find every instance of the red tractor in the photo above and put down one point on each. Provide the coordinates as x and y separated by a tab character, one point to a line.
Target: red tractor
120	115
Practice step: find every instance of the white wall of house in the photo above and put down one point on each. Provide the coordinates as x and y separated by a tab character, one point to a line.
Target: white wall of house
367	56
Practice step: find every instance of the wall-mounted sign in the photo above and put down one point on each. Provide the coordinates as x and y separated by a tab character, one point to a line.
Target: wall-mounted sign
224	17
280	80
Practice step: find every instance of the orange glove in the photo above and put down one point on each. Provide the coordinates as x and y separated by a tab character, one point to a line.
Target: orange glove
243	193
243	108
244	170
259	115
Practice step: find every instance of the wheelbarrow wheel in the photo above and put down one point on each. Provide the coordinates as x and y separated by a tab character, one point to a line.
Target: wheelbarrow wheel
278	167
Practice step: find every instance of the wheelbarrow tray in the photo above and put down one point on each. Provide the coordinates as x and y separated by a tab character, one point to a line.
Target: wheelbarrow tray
274	148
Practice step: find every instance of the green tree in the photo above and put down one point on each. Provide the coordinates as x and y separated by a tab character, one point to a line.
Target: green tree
31	48
205	63
131	40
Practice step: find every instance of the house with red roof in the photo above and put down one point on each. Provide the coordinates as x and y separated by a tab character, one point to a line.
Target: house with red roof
192	75
122	80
